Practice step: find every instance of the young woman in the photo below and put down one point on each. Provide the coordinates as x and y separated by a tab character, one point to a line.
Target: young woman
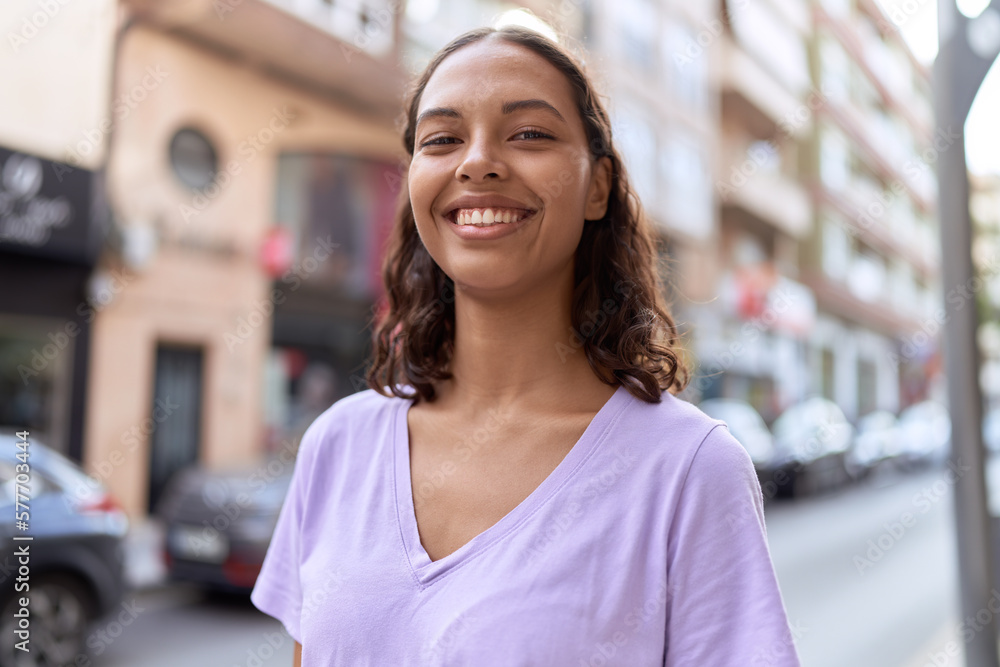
520	486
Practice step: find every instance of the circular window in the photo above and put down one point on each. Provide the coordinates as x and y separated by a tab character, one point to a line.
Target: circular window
193	158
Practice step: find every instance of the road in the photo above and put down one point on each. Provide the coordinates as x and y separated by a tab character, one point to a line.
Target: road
868	575
181	627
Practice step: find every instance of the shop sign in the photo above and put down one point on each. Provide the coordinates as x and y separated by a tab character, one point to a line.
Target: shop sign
45	208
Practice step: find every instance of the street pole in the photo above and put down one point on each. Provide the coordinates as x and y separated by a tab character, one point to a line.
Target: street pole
959	71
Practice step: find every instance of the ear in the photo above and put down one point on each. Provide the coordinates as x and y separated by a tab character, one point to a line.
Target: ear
600	188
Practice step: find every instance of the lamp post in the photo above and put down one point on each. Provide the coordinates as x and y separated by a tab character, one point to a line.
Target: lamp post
967	48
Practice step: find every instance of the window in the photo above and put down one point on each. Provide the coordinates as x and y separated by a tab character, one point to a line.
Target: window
827	373
838	8
638	145
687	185
774	43
836	250
867	386
904	287
339	199
836	70
867	277
193	158
35	378
367	25
834	159
637	25
863	91
686	78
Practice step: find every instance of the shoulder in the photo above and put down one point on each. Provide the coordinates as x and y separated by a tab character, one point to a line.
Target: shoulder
672	420
682	437
350	416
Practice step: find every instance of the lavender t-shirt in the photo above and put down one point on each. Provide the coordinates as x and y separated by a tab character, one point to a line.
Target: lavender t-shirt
645	546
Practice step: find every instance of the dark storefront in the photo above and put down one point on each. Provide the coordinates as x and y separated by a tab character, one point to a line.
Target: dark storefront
335	213
53	221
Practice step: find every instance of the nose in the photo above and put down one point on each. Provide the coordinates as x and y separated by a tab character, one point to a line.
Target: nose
481	161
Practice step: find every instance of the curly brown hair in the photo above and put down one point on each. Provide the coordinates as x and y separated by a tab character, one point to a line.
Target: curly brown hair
619	315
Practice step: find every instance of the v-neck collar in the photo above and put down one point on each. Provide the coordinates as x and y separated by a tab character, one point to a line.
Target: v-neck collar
426	571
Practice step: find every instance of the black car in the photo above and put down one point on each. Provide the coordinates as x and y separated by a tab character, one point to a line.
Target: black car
219	523
71	571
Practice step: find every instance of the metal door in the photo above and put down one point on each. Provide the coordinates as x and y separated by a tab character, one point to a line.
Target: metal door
176	415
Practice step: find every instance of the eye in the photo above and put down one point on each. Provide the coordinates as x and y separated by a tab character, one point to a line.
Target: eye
438	141
533	133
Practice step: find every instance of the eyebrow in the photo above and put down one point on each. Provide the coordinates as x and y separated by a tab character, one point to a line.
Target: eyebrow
511	107
506	108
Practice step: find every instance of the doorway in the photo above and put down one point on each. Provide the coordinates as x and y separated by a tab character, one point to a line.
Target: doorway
176	439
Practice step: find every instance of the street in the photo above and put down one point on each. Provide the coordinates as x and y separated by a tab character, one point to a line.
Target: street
867	574
861	588
180	626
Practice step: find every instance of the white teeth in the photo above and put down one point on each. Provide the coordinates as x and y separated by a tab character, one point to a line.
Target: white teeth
488	216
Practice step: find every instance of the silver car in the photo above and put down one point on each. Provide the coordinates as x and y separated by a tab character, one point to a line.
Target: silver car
75	554
811	440
746	425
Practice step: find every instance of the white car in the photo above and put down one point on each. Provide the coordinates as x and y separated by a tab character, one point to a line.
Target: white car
746	425
811	441
878	439
926	433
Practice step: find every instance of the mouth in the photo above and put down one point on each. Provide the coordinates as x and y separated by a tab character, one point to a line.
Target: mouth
488	217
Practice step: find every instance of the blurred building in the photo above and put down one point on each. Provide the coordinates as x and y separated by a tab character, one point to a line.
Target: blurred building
752	342
984	207
248	156
872	258
651	60
828	265
53	215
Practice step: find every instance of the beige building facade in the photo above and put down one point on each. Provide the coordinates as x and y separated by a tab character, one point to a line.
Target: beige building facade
180	348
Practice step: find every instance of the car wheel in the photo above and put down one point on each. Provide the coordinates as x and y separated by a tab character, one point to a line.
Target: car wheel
61	609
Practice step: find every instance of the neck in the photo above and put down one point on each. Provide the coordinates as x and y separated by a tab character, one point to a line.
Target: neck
517	351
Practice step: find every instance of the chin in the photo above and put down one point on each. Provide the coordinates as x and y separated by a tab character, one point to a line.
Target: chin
482	281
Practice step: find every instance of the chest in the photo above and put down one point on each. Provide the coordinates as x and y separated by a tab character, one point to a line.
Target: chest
465	480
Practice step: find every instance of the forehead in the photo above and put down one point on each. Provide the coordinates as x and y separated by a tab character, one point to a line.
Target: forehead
496	69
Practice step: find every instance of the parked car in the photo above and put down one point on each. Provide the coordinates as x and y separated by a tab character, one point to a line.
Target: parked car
747	426
811	441
878	441
991	431
75	556
218	524
926	432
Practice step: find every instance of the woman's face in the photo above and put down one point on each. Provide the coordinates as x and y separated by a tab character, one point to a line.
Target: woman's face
499	136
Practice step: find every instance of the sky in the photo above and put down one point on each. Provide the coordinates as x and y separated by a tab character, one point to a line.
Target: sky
917	20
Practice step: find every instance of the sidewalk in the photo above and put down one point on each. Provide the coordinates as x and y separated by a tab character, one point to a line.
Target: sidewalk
144	567
934	653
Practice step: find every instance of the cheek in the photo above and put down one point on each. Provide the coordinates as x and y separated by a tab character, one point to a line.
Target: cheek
426	183
563	185
417	189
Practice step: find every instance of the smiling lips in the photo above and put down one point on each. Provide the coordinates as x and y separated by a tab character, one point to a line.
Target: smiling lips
484	217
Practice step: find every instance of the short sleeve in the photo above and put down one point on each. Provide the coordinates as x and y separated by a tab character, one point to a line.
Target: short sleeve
278	590
725	607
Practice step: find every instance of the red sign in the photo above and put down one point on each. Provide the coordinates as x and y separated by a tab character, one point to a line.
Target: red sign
277	251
